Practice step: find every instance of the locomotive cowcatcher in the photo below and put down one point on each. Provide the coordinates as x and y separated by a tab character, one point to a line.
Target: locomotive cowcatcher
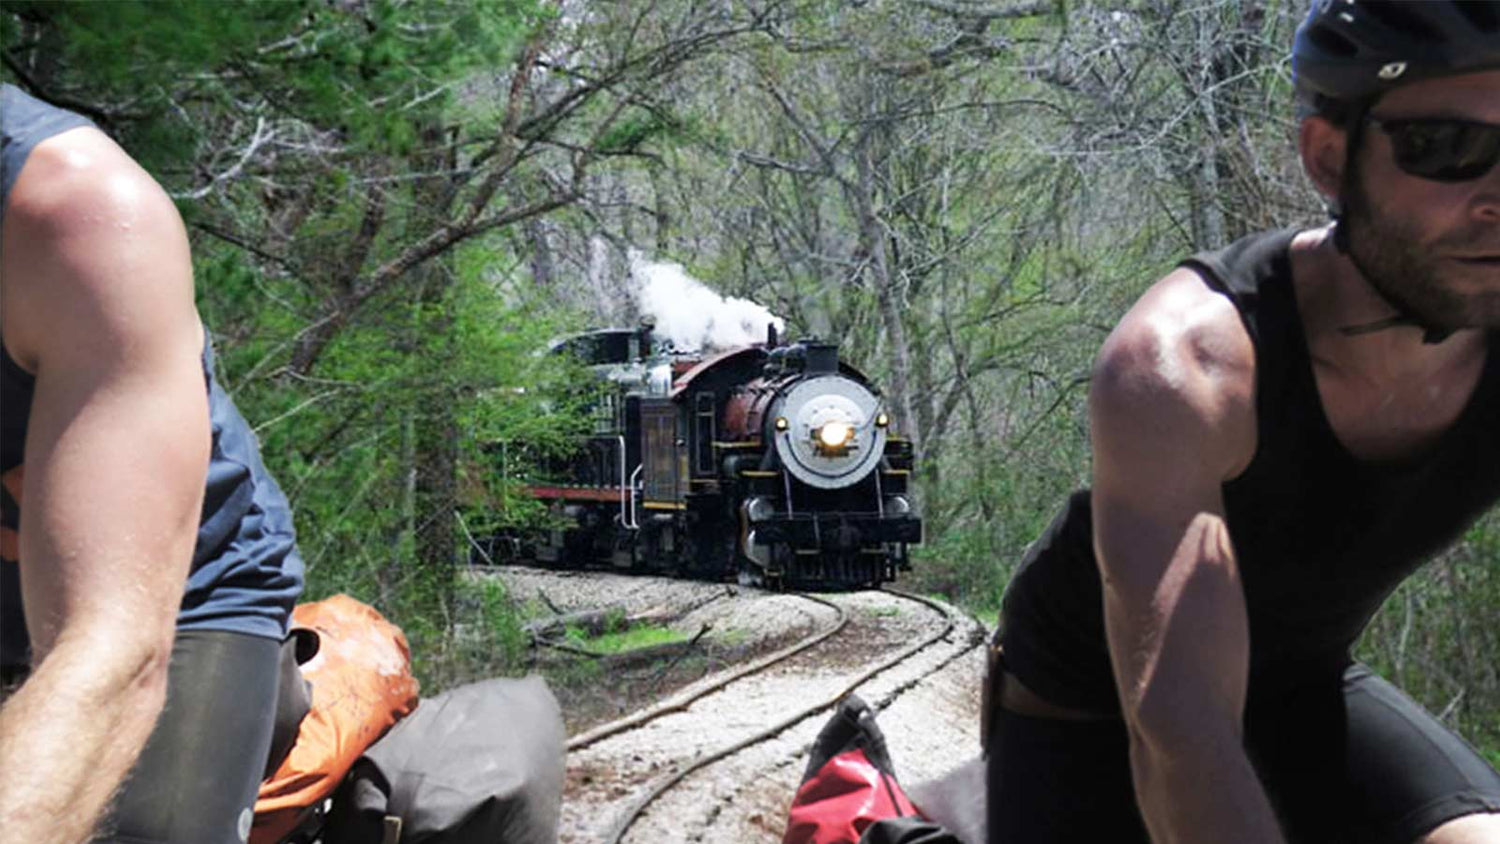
774	464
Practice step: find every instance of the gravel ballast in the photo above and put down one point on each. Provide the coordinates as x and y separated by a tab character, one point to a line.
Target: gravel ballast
930	717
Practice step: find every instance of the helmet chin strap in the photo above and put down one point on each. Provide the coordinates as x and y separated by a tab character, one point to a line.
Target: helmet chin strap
1404	316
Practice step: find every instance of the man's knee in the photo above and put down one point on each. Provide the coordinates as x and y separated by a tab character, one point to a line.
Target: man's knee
1469	829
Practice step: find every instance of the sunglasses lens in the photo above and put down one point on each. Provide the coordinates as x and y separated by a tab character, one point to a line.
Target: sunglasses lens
1444	150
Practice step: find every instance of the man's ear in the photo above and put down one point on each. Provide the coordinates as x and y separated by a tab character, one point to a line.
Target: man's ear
1323	148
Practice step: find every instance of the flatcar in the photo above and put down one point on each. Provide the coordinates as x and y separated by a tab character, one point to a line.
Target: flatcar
772	464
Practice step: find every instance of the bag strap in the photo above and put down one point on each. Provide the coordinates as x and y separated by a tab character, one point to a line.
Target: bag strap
990	695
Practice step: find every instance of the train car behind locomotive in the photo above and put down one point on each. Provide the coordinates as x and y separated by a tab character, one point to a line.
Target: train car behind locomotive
775	464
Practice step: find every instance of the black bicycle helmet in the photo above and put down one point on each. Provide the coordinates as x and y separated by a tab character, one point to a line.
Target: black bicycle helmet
1356	50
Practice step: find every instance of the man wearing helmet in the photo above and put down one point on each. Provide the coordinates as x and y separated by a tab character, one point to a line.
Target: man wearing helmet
1283	430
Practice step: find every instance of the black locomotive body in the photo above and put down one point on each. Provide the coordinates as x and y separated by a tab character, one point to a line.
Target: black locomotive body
776	465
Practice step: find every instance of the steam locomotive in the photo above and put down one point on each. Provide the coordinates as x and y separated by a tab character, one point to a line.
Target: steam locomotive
774	464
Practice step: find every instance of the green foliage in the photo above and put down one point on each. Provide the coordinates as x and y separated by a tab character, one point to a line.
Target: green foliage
1437	635
637	128
962	565
495	384
614	620
156	68
342	448
618	641
483	638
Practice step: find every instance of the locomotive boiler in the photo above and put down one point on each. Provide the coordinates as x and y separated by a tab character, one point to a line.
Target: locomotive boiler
774	464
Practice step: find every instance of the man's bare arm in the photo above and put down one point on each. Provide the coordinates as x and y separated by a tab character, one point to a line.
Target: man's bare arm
98	303
1172	417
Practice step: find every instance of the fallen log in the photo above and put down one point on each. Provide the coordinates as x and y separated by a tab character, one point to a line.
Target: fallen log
586	620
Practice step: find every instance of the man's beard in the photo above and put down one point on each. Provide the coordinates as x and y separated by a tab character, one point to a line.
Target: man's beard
1407	273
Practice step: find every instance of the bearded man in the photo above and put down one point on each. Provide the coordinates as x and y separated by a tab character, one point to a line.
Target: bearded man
1283	430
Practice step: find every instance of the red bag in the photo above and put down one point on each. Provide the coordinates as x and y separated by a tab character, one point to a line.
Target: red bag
361	685
850	783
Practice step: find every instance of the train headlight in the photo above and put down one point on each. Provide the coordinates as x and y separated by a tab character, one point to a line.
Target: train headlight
782	424
882	420
835	434
833	439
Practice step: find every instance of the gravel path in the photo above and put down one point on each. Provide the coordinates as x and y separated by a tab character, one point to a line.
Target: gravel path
930	716
736	613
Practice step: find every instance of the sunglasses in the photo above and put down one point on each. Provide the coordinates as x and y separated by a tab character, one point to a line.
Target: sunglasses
1442	149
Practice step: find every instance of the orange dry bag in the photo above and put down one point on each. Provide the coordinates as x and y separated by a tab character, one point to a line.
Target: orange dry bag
361	685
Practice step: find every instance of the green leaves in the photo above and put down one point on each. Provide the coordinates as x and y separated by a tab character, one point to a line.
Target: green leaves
162	73
637	128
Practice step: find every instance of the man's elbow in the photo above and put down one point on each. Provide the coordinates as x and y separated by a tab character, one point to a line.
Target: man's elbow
1169	739
149	669
109	662
145	660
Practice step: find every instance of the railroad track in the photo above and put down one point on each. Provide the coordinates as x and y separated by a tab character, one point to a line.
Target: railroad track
685	699
717	704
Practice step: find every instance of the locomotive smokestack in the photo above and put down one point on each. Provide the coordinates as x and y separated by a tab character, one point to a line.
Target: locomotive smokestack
771	337
642	343
822	358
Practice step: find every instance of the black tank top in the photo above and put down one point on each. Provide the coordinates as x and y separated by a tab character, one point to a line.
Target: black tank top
1321	537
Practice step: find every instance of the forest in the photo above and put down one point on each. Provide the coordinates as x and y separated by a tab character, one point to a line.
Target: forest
394	204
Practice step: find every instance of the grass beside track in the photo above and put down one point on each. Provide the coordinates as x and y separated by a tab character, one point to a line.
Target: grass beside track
624	640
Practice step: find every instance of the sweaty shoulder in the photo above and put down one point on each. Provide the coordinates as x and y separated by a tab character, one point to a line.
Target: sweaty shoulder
78	181
1177	377
90	240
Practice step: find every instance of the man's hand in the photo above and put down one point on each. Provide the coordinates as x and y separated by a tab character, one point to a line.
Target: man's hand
98	304
1172	417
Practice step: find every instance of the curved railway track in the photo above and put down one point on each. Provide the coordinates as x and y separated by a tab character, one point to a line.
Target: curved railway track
683	700
615	750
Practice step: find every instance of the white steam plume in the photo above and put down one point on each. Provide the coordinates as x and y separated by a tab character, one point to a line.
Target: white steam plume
693	316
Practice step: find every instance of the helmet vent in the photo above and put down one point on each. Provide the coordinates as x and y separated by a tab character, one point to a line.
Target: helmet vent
1400	18
1331	42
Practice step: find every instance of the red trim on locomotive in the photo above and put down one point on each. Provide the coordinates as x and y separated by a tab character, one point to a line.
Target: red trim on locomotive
611	494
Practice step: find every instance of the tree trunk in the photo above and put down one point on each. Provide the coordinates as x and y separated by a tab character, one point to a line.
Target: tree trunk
436	421
873	244
1208	193
436	489
543	267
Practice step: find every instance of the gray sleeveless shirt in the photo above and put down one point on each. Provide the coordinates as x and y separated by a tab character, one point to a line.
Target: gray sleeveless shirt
246	573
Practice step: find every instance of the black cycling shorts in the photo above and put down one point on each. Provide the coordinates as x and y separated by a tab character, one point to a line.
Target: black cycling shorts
1351	760
197	778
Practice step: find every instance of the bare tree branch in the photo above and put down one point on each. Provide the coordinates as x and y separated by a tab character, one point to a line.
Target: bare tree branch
970	9
236	240
257	139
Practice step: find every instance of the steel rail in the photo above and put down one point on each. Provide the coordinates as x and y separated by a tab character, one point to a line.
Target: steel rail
617	834
682	701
